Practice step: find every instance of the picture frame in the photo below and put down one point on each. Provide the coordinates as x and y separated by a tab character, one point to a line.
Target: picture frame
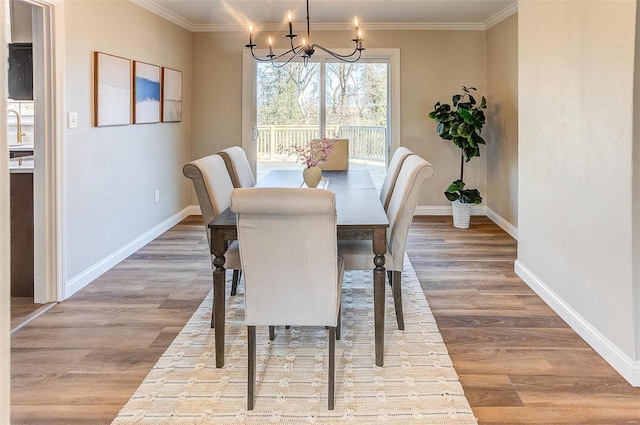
112	90
146	93
171	95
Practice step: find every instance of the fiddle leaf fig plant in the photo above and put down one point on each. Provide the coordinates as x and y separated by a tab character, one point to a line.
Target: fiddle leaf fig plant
456	191
462	124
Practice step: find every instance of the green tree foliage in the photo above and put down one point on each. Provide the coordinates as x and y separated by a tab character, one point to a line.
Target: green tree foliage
356	94
288	95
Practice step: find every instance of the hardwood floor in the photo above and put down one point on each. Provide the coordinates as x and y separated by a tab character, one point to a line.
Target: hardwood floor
518	362
82	360
23	309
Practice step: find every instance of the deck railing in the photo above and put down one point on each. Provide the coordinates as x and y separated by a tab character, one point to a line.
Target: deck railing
365	142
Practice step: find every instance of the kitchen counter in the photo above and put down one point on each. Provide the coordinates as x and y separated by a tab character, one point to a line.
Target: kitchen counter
20	146
22	164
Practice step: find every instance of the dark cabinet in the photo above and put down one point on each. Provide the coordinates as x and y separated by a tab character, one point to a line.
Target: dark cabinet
21	71
22	248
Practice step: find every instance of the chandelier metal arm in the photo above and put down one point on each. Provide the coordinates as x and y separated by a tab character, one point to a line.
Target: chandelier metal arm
345	58
274	58
305	50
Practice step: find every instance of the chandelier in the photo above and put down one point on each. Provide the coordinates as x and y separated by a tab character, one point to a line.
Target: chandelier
305	50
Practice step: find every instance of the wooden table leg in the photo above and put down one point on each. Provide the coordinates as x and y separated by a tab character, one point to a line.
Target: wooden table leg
379	249
217	313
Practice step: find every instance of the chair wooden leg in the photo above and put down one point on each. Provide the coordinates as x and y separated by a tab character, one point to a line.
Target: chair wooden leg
332	366
339	327
251	365
234	282
272	333
213	312
397	298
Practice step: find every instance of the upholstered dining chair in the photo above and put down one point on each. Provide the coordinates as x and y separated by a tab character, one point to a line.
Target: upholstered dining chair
358	255
306	292
213	188
235	159
392	174
339	159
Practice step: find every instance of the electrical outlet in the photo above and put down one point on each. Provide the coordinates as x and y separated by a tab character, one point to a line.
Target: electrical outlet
72	120
156	196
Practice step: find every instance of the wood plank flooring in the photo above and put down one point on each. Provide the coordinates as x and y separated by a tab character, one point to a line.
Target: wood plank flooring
518	362
82	360
23	309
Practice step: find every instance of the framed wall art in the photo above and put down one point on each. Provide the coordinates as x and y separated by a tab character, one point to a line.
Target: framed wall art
112	90
146	107
171	95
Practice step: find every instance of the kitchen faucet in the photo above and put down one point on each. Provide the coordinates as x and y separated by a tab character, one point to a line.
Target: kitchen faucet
20	134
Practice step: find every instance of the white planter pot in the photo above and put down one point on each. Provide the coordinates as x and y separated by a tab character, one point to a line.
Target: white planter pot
461	214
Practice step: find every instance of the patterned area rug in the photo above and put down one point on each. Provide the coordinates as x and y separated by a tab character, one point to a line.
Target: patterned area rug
417	384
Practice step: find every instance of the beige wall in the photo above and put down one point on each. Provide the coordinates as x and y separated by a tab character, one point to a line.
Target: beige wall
636	189
502	120
434	66
576	75
111	173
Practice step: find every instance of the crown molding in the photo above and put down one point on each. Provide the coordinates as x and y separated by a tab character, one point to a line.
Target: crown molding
164	13
424	26
151	6
501	16
386	26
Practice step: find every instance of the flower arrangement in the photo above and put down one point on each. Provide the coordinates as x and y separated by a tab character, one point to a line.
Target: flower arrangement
315	152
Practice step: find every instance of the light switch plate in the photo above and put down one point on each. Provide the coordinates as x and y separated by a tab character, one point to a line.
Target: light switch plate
72	120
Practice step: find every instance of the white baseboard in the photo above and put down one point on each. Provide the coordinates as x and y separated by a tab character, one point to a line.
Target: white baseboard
625	365
89	275
446	210
504	224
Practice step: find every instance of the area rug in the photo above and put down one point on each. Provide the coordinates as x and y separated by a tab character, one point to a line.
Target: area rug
417	384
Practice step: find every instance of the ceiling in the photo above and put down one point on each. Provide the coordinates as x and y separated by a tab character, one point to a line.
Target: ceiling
229	15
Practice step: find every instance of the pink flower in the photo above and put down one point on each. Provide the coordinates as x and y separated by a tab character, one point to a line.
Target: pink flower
315	152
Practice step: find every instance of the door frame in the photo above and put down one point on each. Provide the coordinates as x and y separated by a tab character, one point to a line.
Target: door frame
249	87
49	45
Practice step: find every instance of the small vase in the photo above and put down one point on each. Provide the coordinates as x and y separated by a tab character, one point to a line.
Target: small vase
312	176
461	214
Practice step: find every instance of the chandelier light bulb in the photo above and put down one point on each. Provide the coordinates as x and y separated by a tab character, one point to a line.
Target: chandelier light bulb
306	49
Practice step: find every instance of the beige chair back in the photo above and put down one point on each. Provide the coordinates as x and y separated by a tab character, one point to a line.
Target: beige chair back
339	159
392	174
288	251
238	166
402	205
212	185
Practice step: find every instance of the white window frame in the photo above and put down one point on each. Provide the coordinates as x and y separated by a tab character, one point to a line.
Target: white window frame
249	87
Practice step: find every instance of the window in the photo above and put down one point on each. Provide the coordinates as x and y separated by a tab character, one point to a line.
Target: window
294	103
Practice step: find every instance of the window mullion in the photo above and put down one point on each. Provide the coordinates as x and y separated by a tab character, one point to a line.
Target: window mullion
323	97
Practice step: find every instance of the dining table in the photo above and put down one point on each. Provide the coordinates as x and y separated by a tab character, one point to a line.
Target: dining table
359	215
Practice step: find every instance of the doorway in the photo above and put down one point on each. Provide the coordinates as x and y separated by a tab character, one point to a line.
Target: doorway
291	104
48	52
